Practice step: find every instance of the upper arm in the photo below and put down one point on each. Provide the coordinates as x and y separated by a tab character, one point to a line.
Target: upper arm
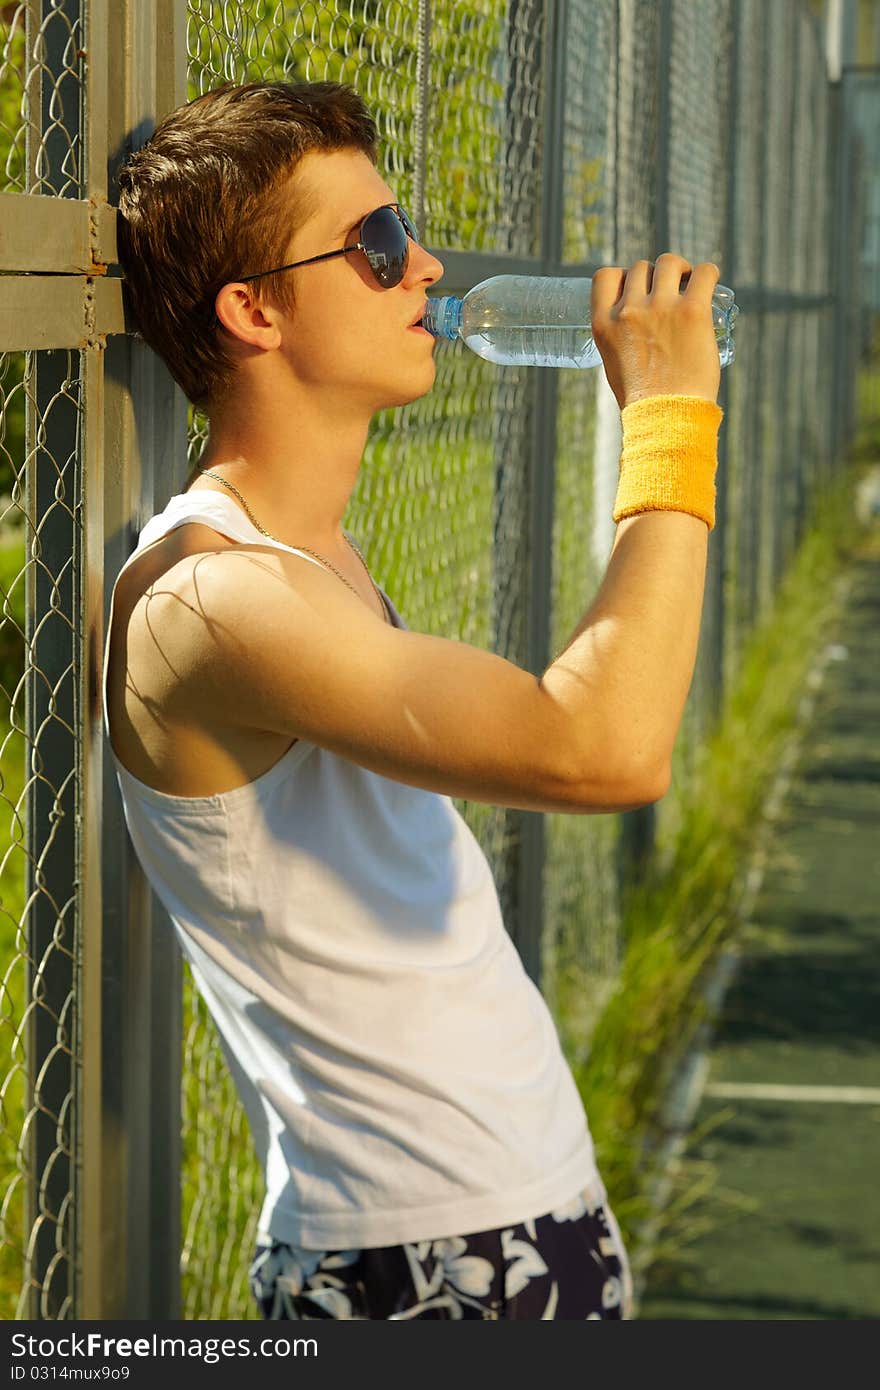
265	640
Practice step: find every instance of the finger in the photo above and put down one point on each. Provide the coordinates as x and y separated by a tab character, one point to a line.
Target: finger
638	280
704	278
669	271
607	288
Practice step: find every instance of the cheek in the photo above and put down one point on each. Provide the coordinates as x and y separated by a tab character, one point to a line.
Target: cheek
351	335
327	347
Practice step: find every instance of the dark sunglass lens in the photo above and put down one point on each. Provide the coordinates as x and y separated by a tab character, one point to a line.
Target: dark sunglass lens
409	225
387	246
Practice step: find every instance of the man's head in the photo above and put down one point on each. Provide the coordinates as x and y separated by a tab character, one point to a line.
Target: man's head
214	195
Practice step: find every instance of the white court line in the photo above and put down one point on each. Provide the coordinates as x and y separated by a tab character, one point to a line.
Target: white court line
842	1095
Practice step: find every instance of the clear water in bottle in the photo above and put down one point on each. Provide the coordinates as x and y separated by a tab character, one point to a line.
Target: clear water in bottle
542	321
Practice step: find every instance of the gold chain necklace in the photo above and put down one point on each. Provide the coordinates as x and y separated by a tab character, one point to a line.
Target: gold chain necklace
355	547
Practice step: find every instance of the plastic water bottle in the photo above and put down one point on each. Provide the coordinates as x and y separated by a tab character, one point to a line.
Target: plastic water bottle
542	321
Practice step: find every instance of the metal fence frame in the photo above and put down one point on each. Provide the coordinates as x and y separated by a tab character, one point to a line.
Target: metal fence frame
123	1259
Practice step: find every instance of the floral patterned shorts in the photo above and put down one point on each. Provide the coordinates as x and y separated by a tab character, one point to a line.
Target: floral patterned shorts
570	1263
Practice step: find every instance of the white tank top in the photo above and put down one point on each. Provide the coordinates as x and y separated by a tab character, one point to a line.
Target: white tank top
401	1073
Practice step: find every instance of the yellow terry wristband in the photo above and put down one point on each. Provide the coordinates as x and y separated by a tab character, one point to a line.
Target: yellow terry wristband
669	457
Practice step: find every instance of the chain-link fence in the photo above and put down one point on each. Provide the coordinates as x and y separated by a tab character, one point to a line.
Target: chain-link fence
41	99
526	136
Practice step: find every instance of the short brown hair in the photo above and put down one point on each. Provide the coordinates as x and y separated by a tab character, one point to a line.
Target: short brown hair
206	199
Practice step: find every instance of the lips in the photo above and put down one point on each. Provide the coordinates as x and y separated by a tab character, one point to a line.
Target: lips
416	322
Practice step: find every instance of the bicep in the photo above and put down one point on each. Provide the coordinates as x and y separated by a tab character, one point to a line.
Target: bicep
280	646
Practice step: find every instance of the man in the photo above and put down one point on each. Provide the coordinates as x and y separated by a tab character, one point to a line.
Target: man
287	749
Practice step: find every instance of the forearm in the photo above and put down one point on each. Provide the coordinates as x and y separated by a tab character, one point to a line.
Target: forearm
625	673
627	669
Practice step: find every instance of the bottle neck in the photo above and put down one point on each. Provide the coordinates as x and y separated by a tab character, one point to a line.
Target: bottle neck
443	316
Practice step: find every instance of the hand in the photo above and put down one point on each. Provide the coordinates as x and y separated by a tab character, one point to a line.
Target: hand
654	340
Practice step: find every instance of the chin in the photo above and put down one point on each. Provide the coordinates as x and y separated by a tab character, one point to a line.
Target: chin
400	397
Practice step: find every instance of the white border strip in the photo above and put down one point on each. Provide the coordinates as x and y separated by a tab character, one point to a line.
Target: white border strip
833	1095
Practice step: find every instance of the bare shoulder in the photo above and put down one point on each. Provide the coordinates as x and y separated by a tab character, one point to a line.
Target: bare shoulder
228	615
206	617
176	569
149	590
169	741
185	572
162	559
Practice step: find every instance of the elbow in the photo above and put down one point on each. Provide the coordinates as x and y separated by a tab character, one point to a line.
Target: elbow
653	782
625	792
605	775
645	788
658	785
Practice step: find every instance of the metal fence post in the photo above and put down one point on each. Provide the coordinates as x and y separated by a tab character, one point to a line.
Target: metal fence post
725	615
132	985
529	919
666	21
423	75
756	453
785	478
520	875
854	193
51	721
803	473
839	160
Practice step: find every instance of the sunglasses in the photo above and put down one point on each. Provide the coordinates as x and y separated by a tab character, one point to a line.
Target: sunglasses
384	238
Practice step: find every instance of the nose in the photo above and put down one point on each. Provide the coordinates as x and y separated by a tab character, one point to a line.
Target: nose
422	265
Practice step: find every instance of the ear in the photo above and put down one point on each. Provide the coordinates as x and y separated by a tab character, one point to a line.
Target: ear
242	315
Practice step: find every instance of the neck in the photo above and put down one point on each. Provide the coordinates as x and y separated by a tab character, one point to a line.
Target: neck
297	482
